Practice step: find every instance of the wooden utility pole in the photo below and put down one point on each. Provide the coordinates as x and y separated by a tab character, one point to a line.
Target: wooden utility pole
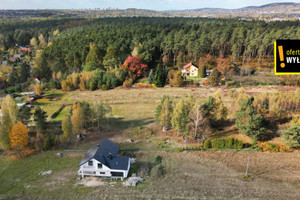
247	168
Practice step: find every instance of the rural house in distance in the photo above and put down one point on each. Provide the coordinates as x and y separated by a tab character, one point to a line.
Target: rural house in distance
102	160
190	70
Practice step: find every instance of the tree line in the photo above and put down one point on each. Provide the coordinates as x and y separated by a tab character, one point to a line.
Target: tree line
22	128
106	43
257	117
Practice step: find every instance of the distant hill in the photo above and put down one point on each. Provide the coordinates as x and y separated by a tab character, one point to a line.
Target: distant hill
277	4
273	11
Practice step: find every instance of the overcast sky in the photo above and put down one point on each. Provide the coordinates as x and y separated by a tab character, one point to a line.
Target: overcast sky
123	4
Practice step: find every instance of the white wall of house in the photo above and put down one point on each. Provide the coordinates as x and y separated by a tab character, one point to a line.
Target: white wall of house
94	170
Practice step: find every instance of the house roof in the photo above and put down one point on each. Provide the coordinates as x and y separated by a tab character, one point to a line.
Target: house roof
189	64
106	153
25	49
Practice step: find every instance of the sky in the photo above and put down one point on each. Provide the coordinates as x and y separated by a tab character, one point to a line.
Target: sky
141	4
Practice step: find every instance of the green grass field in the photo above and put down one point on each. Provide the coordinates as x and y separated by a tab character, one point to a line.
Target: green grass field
19	176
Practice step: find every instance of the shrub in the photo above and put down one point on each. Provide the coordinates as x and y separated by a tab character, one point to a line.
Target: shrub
13	89
140	133
66	86
292	136
127	83
179	149
270	147
239	144
155	160
54	84
158	171
92	84
226	143
49	142
214	78
207	144
218	143
144	169
193	148
103	87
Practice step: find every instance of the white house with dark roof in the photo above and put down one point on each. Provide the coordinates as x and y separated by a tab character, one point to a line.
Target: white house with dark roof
103	160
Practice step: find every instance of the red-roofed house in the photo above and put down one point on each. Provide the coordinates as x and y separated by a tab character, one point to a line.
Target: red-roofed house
190	70
26	49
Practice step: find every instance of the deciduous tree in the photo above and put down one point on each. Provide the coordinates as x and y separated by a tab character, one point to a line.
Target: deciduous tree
67	128
38	88
180	117
177	80
165	114
101	112
199	123
292	136
9	112
214	78
77	118
18	136
136	66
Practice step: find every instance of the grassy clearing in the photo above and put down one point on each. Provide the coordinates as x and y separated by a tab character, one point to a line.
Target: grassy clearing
50	109
18	176
64	112
188	175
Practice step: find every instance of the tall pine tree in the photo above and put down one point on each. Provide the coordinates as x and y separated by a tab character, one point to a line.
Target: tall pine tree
160	77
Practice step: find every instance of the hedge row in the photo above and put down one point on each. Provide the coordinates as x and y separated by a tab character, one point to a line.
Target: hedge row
55	114
224	143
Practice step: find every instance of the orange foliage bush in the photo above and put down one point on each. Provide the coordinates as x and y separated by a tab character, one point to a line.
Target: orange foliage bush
270	147
143	85
20	153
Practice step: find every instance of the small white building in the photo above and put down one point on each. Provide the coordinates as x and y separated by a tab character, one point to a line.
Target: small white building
103	160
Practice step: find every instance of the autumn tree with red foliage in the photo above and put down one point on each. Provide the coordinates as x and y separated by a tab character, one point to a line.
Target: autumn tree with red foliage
135	65
225	66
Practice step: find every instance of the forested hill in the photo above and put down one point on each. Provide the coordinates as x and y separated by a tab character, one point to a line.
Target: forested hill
180	40
274	11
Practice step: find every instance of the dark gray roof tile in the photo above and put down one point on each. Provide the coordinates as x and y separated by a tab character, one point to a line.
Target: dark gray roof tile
107	153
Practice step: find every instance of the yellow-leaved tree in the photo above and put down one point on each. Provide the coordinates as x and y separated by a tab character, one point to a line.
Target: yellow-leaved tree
9	111
18	136
38	88
77	119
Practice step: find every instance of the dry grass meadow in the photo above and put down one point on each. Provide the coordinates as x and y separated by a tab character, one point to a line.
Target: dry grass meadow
186	175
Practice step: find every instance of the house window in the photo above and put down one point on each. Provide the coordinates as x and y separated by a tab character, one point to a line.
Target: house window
102	172
99	166
90	163
117	174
